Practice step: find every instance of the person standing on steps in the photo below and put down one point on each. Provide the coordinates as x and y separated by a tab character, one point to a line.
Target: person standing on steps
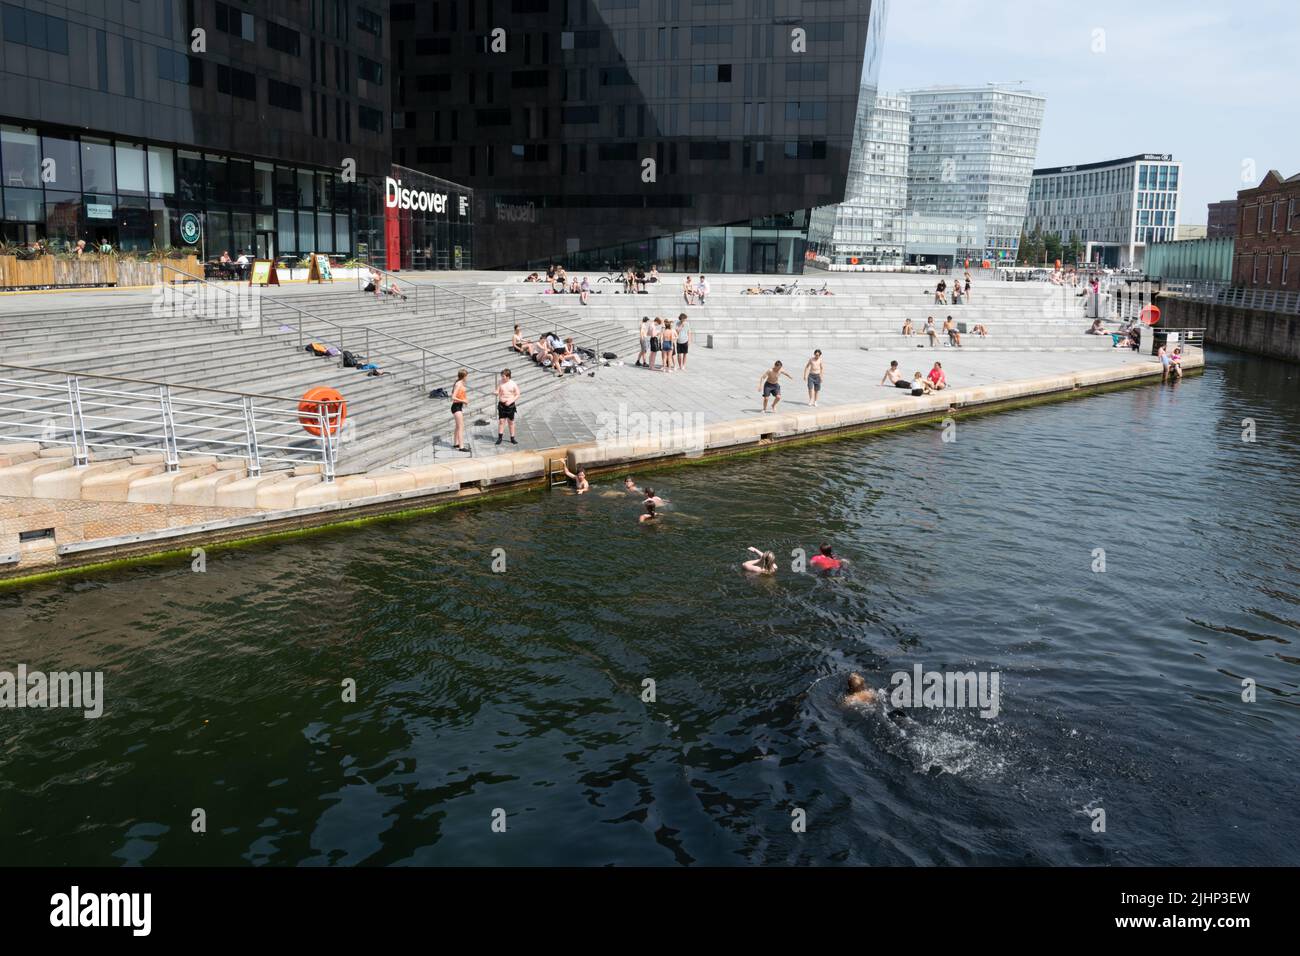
507	399
812	373
459	399
643	357
769	384
684	336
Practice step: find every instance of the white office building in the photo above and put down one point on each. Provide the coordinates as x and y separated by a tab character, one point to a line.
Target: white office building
1114	209
970	160
867	227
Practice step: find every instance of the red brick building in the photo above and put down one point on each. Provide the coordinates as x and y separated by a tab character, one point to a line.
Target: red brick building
1268	235
1221	221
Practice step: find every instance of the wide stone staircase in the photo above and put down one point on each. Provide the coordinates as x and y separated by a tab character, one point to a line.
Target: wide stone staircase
418	344
864	311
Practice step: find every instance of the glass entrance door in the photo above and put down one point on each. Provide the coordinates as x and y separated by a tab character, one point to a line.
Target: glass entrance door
265	245
686	257
763	257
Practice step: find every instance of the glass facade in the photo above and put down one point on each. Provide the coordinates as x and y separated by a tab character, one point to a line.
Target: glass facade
1115	209
868	228
132	195
970	160
605	132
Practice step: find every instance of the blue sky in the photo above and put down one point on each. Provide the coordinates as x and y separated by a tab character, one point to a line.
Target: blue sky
1214	83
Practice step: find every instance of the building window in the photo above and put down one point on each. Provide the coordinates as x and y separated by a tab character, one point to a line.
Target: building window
1286	265
1277	213
370	119
35	29
284	95
282	38
1290	215
1254	269
234	82
234	22
1259	219
1268	271
370	21
370	71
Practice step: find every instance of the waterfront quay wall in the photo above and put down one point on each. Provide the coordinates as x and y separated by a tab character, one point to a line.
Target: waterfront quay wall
1271	334
39	536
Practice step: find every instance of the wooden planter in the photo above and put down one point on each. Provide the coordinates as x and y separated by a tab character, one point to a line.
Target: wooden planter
18	273
137	273
85	271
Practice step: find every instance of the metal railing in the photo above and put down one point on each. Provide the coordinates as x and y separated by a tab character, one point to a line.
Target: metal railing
1242	297
514	312
408	291
112	413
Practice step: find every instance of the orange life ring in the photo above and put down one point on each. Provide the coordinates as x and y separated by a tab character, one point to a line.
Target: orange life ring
322	398
1149	315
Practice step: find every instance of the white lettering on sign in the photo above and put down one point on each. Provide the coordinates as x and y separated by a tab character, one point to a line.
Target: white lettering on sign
395	197
464	205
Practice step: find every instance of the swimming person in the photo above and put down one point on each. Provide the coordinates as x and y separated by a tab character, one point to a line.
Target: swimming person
812	373
579	480
649	515
769	384
765	563
825	560
652	498
859	692
630	486
459	399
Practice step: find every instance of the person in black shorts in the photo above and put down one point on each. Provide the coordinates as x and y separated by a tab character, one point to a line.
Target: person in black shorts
459	398
507	399
769	383
684	336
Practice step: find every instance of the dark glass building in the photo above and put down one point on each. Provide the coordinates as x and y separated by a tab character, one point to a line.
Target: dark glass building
693	134
270	120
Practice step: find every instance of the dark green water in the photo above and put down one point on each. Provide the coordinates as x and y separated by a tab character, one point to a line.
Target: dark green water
523	690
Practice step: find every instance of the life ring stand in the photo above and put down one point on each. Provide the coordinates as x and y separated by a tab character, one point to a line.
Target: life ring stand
322	398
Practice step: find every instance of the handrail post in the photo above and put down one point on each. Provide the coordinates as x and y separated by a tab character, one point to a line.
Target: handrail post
80	450
424	367
171	453
250	439
327	441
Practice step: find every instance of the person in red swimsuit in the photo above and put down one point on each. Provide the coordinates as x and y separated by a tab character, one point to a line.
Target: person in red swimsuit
825	560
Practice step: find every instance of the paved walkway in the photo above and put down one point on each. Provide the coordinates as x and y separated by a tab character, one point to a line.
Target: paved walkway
723	386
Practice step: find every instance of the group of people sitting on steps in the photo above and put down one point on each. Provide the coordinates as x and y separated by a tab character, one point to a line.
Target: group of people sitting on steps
551	351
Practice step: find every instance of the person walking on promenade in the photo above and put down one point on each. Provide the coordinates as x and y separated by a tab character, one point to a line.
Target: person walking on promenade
812	374
643	357
931	331
507	400
684	337
459	399
769	384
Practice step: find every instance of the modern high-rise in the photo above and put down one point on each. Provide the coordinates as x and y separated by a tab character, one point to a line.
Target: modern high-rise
1113	209
867	228
696	135
970	159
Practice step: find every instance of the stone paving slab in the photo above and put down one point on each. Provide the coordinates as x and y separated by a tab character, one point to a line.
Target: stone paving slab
722	386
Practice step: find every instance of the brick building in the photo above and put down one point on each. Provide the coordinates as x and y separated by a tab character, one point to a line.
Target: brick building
1268	235
1221	222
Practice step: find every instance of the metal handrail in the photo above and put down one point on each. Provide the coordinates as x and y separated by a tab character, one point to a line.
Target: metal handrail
1265	300
118	420
515	311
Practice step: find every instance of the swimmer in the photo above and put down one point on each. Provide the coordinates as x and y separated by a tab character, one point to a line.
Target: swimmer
859	692
630	486
579	480
825	560
653	499
765	563
649	517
